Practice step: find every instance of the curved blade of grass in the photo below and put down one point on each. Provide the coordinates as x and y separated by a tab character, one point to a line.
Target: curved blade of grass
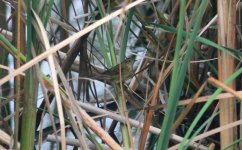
232	144
179	72
55	81
14	49
172	100
108	31
103	49
200	129
47	17
207	104
126	33
236	54
111	48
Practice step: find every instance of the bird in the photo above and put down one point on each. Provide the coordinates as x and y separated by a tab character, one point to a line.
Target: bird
112	74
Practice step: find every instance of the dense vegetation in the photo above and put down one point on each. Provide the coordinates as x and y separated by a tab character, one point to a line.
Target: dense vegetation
112	74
